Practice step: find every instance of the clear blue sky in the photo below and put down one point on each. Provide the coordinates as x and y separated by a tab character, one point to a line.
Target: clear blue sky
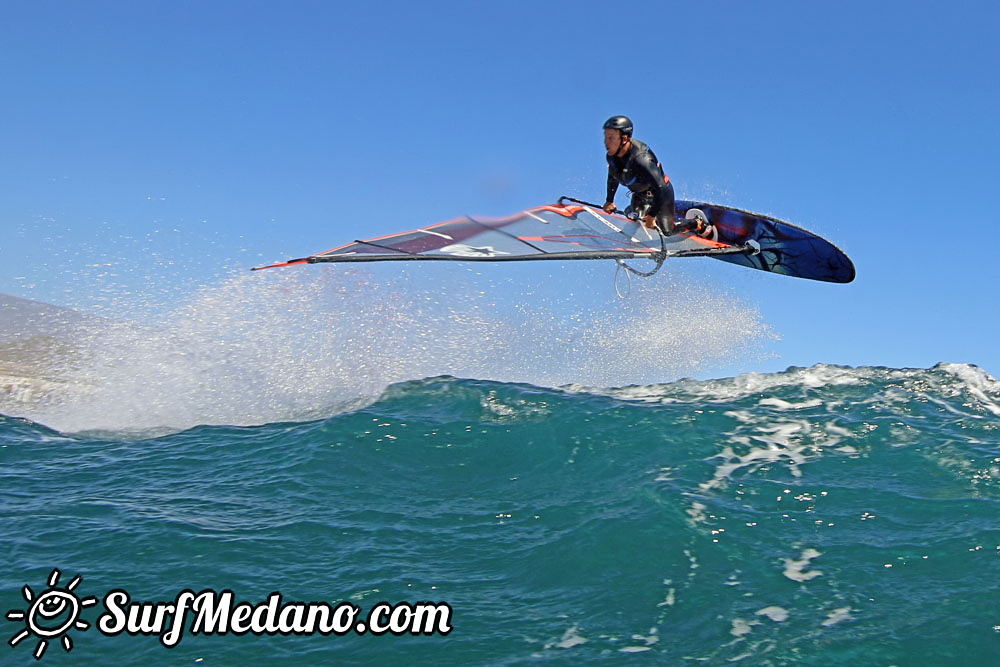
212	136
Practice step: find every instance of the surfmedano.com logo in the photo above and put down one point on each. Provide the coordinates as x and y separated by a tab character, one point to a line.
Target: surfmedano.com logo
52	614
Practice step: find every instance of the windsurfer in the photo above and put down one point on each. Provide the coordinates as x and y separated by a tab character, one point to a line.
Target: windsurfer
632	164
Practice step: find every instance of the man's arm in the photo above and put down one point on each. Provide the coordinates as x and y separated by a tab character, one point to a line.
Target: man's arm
612	189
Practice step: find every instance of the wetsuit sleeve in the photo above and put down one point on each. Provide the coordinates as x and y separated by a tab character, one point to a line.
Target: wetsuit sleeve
612	186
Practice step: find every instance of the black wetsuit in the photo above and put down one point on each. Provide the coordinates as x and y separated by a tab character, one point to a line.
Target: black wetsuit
640	172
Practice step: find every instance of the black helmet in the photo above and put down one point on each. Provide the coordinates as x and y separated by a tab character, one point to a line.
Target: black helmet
620	123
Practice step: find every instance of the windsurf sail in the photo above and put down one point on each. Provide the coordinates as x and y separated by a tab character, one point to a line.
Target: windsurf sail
573	229
563	231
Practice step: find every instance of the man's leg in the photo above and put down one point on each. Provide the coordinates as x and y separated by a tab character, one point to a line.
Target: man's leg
665	214
638	207
696	221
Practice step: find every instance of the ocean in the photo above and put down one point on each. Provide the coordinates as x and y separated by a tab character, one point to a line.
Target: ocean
822	515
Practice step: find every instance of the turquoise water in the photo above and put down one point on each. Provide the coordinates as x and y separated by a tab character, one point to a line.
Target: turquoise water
825	515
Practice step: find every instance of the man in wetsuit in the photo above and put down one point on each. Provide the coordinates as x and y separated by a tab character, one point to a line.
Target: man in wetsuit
634	165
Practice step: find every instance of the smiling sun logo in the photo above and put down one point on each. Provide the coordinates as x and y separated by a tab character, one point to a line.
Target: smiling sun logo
51	615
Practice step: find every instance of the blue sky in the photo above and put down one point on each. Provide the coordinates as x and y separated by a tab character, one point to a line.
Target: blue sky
212	136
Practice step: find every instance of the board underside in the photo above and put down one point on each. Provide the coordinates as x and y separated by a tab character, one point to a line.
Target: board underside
784	248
